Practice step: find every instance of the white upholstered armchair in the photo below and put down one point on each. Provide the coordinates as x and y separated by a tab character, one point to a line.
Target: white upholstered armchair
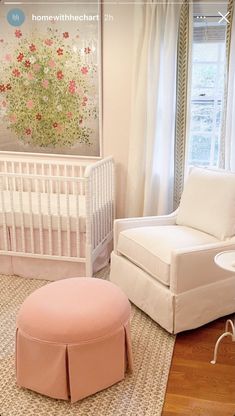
165	264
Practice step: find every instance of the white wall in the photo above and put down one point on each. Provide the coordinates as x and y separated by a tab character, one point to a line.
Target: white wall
117	79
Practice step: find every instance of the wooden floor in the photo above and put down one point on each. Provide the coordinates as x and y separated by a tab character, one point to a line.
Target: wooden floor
196	387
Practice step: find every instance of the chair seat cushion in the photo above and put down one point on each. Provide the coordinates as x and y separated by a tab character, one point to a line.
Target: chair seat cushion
150	248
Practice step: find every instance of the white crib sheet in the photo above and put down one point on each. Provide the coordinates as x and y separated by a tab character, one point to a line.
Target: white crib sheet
46	200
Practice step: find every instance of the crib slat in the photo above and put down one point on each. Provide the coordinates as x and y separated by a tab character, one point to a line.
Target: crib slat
41	245
68	228
77	218
89	210
44	173
29	189
6	170
81	184
12	170
27	169
59	232
22	212
48	213
51	183
31	229
13	222
74	182
4	223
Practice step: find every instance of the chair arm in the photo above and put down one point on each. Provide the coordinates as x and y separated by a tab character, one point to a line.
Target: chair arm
194	267
126	223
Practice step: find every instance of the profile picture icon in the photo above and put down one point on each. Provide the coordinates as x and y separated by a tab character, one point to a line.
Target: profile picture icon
15	17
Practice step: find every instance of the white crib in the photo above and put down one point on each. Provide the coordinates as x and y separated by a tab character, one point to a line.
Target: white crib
56	216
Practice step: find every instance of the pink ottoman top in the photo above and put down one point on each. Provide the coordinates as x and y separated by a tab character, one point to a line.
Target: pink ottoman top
74	310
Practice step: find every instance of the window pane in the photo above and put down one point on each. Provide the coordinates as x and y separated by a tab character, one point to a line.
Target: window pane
207	90
204	76
202	116
208	53
199	150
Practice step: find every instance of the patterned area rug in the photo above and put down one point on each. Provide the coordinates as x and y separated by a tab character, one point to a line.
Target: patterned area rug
140	394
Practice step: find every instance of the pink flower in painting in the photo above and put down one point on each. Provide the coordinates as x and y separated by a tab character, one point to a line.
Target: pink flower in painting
32	48
13	118
30	104
55	125
72	87
2	88
8	57
36	67
38	117
16	72
84	70
20	57
27	64
69	114
28	132
48	42
18	33
66	35
60	75
51	63
45	83
87	50
30	76
60	51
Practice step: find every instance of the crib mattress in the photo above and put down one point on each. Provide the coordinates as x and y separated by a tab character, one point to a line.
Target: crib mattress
53	208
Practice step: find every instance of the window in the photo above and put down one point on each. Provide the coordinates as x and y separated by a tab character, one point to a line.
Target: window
207	91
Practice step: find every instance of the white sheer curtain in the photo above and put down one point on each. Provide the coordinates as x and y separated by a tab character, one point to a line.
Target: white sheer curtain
230	117
151	150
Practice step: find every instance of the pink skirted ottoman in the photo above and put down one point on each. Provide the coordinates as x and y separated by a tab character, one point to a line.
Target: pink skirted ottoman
73	338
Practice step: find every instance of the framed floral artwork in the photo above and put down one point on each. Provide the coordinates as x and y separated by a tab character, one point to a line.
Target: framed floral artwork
50	79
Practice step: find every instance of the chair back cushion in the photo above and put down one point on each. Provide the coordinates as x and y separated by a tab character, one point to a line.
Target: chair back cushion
208	202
